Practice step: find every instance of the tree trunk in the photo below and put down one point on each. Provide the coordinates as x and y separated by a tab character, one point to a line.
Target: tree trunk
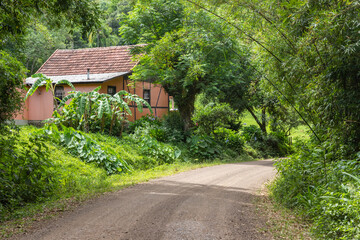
112	123
102	126
262	124
122	128
186	112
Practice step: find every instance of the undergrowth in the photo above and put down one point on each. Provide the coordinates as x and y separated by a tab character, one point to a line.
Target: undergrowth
72	169
324	191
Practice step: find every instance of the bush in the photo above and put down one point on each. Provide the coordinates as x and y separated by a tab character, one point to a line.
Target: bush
252	133
203	147
168	129
12	74
213	116
173	125
330	197
86	149
275	144
142	122
151	147
26	173
229	138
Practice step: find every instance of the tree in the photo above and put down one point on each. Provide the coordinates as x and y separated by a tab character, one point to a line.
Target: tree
191	60
39	43
12	73
308	53
149	21
15	18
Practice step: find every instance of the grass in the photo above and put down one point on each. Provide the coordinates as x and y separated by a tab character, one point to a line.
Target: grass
247	119
281	222
299	133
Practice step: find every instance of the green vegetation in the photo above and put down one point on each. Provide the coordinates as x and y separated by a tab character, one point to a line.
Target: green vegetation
50	168
293	66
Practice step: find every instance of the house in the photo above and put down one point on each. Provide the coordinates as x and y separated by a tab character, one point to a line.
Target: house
86	69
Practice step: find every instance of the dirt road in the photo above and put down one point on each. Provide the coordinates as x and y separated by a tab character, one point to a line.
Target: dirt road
208	203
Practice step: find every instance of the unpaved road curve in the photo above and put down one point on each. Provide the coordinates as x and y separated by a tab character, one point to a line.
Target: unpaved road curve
208	203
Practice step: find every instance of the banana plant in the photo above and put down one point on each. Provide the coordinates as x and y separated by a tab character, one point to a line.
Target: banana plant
117	107
84	103
102	107
43	80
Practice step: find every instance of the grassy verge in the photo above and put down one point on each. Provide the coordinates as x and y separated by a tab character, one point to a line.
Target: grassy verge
281	222
23	218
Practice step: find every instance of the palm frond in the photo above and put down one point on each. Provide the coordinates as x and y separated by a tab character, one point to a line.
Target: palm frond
64	81
66	98
38	83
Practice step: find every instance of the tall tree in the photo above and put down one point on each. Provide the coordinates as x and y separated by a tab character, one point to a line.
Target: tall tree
12	73
197	58
149	21
15	18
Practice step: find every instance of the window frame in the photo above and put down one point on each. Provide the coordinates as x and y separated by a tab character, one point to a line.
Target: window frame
111	87
61	90
147	100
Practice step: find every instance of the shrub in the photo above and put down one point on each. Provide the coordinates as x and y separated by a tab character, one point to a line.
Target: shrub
86	149
229	138
12	74
142	122
213	116
252	133
203	147
26	173
151	147
173	125
274	144
330	197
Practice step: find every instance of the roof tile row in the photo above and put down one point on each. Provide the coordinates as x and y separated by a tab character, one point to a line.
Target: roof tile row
98	60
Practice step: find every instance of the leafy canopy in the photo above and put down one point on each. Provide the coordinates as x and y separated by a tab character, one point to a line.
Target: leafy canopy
200	56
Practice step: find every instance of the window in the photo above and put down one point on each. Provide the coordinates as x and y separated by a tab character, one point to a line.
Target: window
59	93
146	95
111	90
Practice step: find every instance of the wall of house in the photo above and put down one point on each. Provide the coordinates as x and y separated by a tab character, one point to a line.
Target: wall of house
21	118
159	100
116	82
39	106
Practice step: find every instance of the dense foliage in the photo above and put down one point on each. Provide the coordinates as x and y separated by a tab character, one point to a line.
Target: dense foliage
330	197
12	74
188	52
285	62
26	173
95	112
83	147
307	59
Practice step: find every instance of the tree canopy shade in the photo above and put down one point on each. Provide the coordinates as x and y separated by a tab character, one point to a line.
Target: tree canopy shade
199	57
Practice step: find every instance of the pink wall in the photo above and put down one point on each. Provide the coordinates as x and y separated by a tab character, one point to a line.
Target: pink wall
39	106
162	103
24	113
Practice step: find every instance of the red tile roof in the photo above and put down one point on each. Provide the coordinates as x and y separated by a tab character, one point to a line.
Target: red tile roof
99	60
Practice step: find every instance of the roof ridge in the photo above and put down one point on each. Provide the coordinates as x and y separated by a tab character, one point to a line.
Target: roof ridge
38	71
95	48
